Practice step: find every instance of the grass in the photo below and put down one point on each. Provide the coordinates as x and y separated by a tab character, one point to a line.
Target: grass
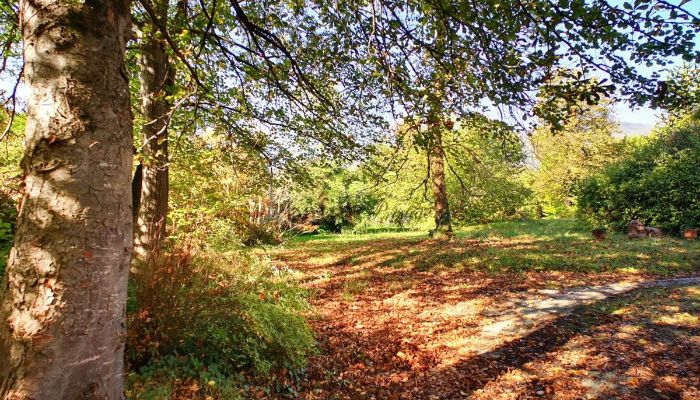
506	247
399	305
354	237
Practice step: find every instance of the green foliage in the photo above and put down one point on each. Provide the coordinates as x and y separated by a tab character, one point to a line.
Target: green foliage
10	179
502	50
201	323
173	374
211	183
657	183
230	310
680	94
484	160
570	153
334	198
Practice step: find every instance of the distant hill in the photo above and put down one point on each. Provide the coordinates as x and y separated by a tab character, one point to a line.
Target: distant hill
635	129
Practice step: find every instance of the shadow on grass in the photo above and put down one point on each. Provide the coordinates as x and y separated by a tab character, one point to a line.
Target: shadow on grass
446	271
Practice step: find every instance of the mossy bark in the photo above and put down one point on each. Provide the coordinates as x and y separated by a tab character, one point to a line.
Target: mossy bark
62	303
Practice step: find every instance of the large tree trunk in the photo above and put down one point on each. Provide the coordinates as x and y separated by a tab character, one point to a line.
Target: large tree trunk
62	302
156	81
436	158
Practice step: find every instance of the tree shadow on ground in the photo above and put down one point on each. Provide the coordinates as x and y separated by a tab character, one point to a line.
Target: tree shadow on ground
448	271
405	317
360	363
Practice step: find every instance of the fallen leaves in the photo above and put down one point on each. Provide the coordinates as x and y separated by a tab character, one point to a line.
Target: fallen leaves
412	332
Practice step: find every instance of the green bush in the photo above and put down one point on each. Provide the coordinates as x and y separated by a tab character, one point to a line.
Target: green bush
8	216
10	181
581	147
232	312
657	183
334	199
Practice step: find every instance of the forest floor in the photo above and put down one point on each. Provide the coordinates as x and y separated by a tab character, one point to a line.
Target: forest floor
504	311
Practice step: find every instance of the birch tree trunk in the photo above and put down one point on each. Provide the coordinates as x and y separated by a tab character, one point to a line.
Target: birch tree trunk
156	80
62	301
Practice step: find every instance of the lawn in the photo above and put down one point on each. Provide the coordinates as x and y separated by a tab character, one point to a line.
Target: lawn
556	246
398	316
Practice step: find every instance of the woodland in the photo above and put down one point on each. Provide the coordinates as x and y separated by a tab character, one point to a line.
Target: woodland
362	199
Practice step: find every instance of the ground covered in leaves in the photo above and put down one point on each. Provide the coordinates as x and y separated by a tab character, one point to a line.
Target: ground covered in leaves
398	316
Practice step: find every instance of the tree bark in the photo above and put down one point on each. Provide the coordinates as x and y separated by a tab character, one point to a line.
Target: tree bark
156	80
436	158
62	322
436	150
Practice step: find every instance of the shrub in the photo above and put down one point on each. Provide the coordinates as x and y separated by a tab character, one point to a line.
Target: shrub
232	311
334	199
658	183
10	182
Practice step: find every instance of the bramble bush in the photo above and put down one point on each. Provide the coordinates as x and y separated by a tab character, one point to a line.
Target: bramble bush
657	183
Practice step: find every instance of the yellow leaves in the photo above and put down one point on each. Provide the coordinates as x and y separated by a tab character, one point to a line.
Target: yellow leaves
693	292
680	319
622	311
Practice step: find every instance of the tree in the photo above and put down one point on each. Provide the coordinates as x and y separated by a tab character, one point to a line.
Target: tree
333	198
425	60
482	160
579	148
456	57
243	70
657	182
63	298
156	79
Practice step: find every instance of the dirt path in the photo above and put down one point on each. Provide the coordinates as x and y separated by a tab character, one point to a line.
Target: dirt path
402	332
521	313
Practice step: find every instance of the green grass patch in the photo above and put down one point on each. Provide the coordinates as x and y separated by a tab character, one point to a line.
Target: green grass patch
505	247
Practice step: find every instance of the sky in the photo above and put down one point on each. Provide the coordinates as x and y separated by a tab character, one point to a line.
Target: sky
646	115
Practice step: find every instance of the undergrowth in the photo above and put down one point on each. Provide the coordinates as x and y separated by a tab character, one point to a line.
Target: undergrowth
206	323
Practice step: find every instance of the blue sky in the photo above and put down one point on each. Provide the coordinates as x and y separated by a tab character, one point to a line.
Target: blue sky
646	115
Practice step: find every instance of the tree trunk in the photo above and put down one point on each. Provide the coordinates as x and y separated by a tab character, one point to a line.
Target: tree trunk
436	158
136	191
62	303
156	80
436	151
